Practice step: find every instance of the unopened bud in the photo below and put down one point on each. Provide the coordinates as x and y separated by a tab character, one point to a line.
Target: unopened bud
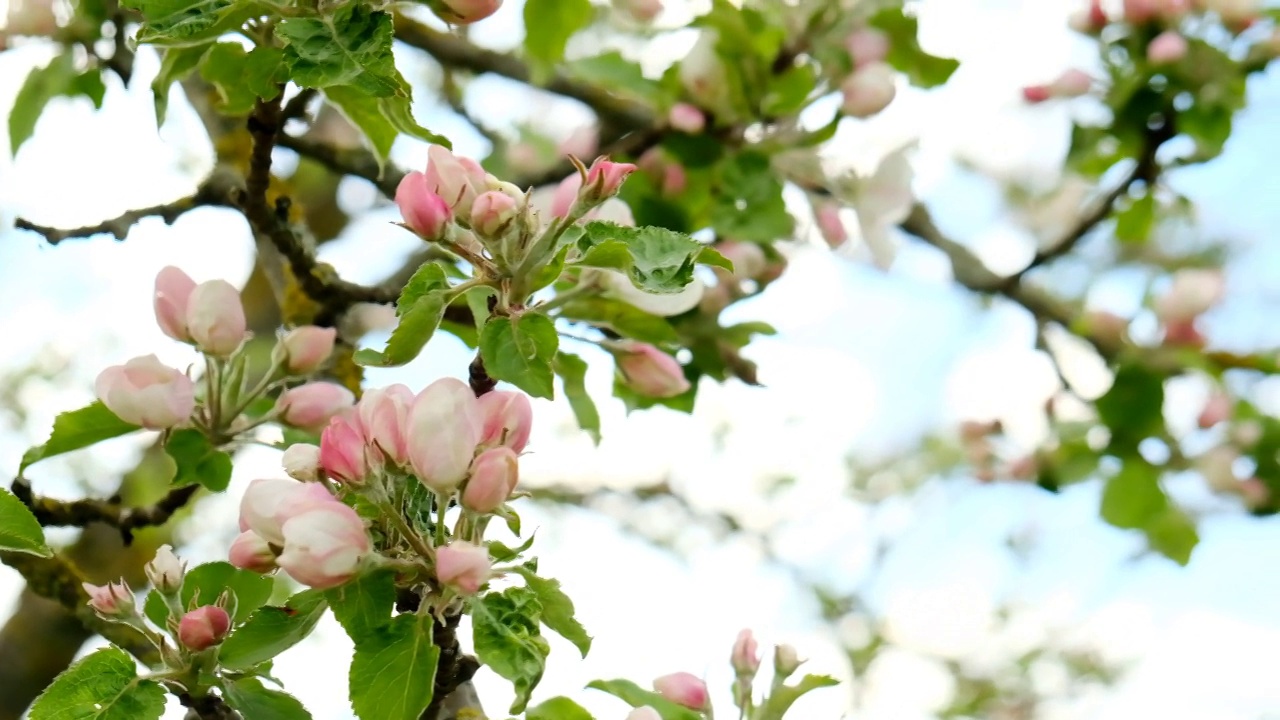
869	90
492	212
311	405
424	211
146	392
250	552
746	654
867	45
1168	47
204	627
301	462
1216	409
683	688
304	349
494	475
463	566
785	660
215	317
650	371
166	571
111	600
687	118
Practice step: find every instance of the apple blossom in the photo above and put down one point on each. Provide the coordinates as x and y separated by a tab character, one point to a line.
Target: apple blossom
324	546
384	420
650	371
604	179
147	393
249	551
867	45
683	688
425	212
463	566
269	503
301	461
311	405
1167	47
110	600
745	657
172	295
215	317
1193	292
458	180
687	118
344	454
204	627
165	571
785	660
494	475
492	212
304	349
827	216
506	419
1216	409
443	431
869	90
464	12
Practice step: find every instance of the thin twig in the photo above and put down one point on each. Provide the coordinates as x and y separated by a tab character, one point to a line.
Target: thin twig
79	513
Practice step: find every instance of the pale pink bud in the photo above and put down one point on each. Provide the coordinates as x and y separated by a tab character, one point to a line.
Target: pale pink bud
110	600
425	212
1217	409
867	45
463	566
642	10
250	551
604	179
1140	11
301	461
644	712
674	179
492	212
1183	333
443	432
683	688
203	627
868	90
464	12
344	454
311	405
456	179
384	415
306	348
1167	47
650	371
746	654
582	142
702	72
566	195
507	419
831	225
172	295
687	118
1254	493
215	317
785	660
1071	83
1023	468
1091	20
146	392
165	571
324	546
494	475
268	504
747	258
1192	293
1036	93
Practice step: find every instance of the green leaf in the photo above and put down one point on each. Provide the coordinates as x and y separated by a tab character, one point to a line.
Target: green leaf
573	374
77	429
364	603
420	307
520	350
620	75
636	696
252	700
394	669
427	278
782	698
905	54
501	553
1132	498
19	529
1134	223
558	708
749	204
557	610
621	317
197	461
59	77
349	46
1133	409
1172	534
272	630
656	259
101	686
175	64
507	640
380	119
179	23
478	302
549	25
789	92
204	583
241	78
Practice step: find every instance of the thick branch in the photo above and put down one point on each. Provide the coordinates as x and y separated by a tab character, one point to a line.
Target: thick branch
82	512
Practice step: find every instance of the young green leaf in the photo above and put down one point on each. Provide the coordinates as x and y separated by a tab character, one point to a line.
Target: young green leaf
77	429
558	708
175	64
380	119
101	686
656	259
905	54
252	699
59	77
393	672
1172	534
1133	409
417	324
364	603
19	529
1132	498
272	630
351	45
507	640
180	23
636	696
782	698
573	374
623	318
197	461
520	350
620	75
241	78
557	609
549	24
205	582
749	204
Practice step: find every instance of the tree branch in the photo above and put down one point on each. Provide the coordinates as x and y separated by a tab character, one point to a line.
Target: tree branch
82	512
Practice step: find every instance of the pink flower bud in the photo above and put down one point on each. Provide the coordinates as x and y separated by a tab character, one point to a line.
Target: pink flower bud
1090	20
1254	493
425	212
604	179
1071	83
641	10
687	118
683	688
674	179
268	504
306	348
868	90
463	566
456	179
110	600
830	225
644	712
1218	467
443	432
464	12
1036	93
566	195
494	475
172	295
324	546
1167	47
165	571
747	258
215	317
785	660
866	46
311	405
146	392
746	654
384	415
344	454
301	462
650	371
507	419
1217	409
249	551
203	627
492	212
1192	293
1140	11
1173	10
